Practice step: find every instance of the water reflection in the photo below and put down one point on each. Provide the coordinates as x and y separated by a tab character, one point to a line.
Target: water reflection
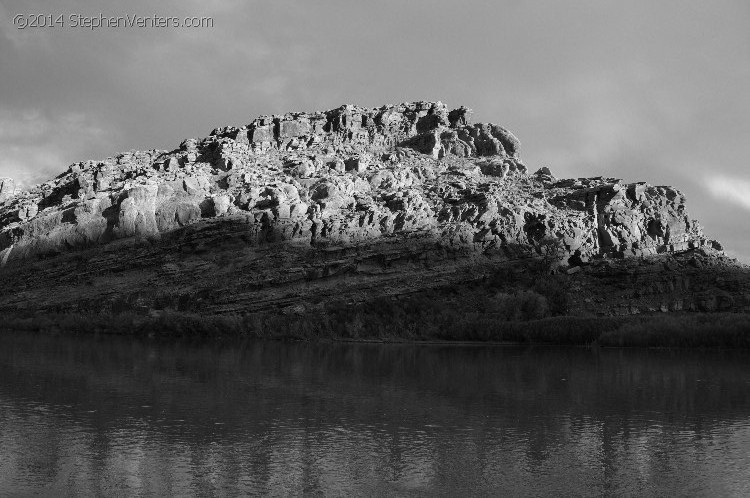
85	415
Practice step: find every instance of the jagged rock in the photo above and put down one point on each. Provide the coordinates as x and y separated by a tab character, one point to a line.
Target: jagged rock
337	165
221	204
303	168
497	168
544	170
459	117
27	211
350	175
137	216
358	163
7	188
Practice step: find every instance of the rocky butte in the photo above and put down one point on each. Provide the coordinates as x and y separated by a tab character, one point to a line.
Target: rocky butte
291	214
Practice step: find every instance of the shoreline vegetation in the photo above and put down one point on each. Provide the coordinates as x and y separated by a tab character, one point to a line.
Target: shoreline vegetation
534	309
366	323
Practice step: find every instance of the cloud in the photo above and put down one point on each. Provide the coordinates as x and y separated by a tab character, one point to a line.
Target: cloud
730	189
37	146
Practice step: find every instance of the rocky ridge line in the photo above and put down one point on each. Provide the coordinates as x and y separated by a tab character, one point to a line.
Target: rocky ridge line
346	177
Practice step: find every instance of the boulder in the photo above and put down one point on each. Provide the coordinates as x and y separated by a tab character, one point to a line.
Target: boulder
7	188
221	204
459	117
496	167
358	163
543	171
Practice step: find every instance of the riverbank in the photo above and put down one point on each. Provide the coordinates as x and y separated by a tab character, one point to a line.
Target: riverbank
684	330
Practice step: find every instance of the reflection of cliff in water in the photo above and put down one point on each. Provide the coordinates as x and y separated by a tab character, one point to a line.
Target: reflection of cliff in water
104	414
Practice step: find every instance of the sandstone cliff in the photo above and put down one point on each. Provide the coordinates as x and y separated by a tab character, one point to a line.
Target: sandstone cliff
392	198
346	176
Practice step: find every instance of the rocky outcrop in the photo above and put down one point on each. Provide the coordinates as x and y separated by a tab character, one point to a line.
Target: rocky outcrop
7	188
347	176
393	198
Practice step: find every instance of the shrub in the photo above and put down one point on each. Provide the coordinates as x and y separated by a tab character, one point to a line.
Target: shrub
523	305
730	330
516	317
555	289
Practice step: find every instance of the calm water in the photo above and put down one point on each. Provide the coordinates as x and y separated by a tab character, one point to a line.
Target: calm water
114	416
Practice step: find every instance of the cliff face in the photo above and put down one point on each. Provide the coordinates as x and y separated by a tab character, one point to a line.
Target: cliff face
348	175
293	200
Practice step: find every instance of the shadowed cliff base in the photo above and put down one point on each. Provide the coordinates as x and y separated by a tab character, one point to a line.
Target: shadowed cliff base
520	303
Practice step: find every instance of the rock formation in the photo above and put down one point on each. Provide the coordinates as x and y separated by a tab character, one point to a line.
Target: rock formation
347	176
7	188
371	181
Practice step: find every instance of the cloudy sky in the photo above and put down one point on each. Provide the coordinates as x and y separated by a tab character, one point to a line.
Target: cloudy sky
640	90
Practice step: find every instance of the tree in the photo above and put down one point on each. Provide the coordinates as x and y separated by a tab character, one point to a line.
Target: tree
552	251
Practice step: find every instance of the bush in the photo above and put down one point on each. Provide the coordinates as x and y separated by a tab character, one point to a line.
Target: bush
523	305
503	318
557	330
730	330
555	289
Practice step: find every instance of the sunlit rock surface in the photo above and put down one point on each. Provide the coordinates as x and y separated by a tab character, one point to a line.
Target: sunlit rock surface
388	199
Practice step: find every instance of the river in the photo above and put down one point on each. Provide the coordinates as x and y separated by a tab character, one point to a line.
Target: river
85	415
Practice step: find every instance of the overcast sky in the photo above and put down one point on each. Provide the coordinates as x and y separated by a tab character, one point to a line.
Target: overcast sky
647	90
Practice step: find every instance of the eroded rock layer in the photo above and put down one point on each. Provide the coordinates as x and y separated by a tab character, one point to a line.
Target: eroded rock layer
348	206
345	177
